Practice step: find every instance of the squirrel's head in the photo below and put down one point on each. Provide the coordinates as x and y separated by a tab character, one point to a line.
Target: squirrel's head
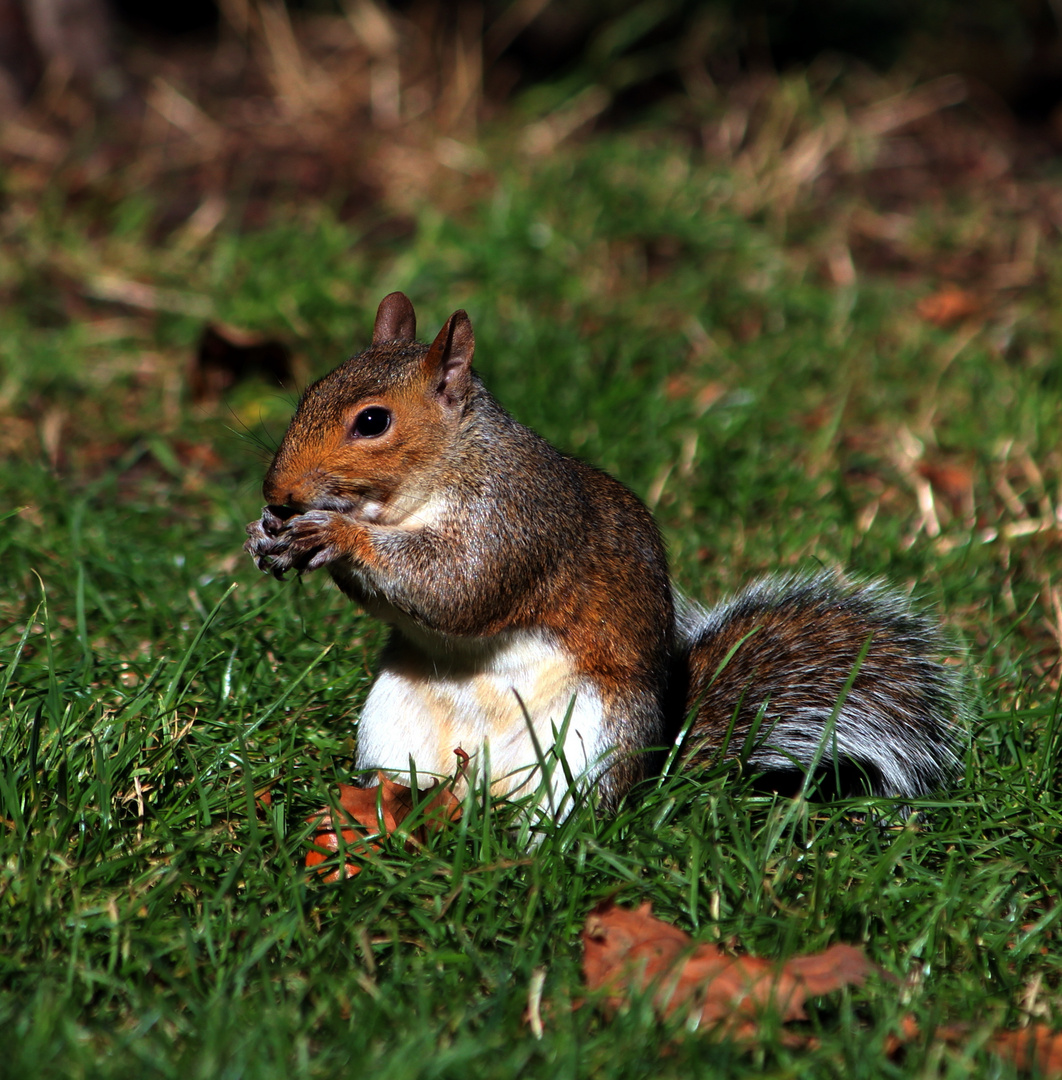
371	437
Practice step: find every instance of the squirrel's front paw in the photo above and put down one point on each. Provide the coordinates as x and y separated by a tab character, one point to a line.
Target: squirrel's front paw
300	542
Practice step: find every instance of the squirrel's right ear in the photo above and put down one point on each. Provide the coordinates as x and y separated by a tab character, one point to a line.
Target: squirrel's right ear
449	360
395	320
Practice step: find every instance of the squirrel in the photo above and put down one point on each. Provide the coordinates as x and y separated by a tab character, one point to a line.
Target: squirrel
531	606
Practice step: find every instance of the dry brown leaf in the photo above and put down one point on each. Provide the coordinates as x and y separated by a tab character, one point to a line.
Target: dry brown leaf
627	951
953	482
632	950
1034	1047
379	811
948	306
703	396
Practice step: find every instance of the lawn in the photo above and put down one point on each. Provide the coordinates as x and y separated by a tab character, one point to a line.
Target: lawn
768	357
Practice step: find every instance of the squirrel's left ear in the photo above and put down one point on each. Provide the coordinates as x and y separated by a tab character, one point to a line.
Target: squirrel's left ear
449	360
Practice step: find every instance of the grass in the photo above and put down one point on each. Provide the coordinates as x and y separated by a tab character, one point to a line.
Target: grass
636	307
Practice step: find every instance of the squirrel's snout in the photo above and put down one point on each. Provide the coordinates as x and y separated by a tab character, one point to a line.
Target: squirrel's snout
288	495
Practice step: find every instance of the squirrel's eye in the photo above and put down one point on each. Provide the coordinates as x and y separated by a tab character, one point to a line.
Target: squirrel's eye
371	422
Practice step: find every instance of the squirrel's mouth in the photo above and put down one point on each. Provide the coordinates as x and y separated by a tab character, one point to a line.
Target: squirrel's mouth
340	504
283	512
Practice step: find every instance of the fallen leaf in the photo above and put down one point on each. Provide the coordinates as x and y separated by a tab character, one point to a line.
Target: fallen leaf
948	306
952	482
632	951
909	1031
1035	1047
703	396
627	951
379	811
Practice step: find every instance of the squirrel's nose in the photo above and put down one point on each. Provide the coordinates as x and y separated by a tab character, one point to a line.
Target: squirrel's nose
278	497
292	490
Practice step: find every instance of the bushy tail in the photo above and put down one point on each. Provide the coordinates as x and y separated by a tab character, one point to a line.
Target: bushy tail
817	671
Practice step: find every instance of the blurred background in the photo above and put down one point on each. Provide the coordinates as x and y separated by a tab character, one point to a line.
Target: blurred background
224	111
753	257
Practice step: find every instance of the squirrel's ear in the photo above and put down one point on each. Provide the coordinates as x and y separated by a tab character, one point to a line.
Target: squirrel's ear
449	360
395	320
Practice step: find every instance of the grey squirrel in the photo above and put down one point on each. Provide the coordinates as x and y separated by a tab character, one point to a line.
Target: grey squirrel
530	602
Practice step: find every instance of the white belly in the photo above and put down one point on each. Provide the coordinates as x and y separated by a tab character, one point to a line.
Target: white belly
425	705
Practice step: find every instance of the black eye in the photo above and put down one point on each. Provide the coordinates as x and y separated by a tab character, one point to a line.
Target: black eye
371	422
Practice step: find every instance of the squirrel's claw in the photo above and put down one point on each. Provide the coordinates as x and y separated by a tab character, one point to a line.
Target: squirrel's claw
299	543
263	545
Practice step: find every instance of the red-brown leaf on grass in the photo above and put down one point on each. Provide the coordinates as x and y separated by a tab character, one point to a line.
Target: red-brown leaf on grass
628	950
703	396
379	811
948	306
1034	1047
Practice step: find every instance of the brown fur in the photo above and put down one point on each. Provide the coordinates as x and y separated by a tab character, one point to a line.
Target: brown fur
458	521
498	553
